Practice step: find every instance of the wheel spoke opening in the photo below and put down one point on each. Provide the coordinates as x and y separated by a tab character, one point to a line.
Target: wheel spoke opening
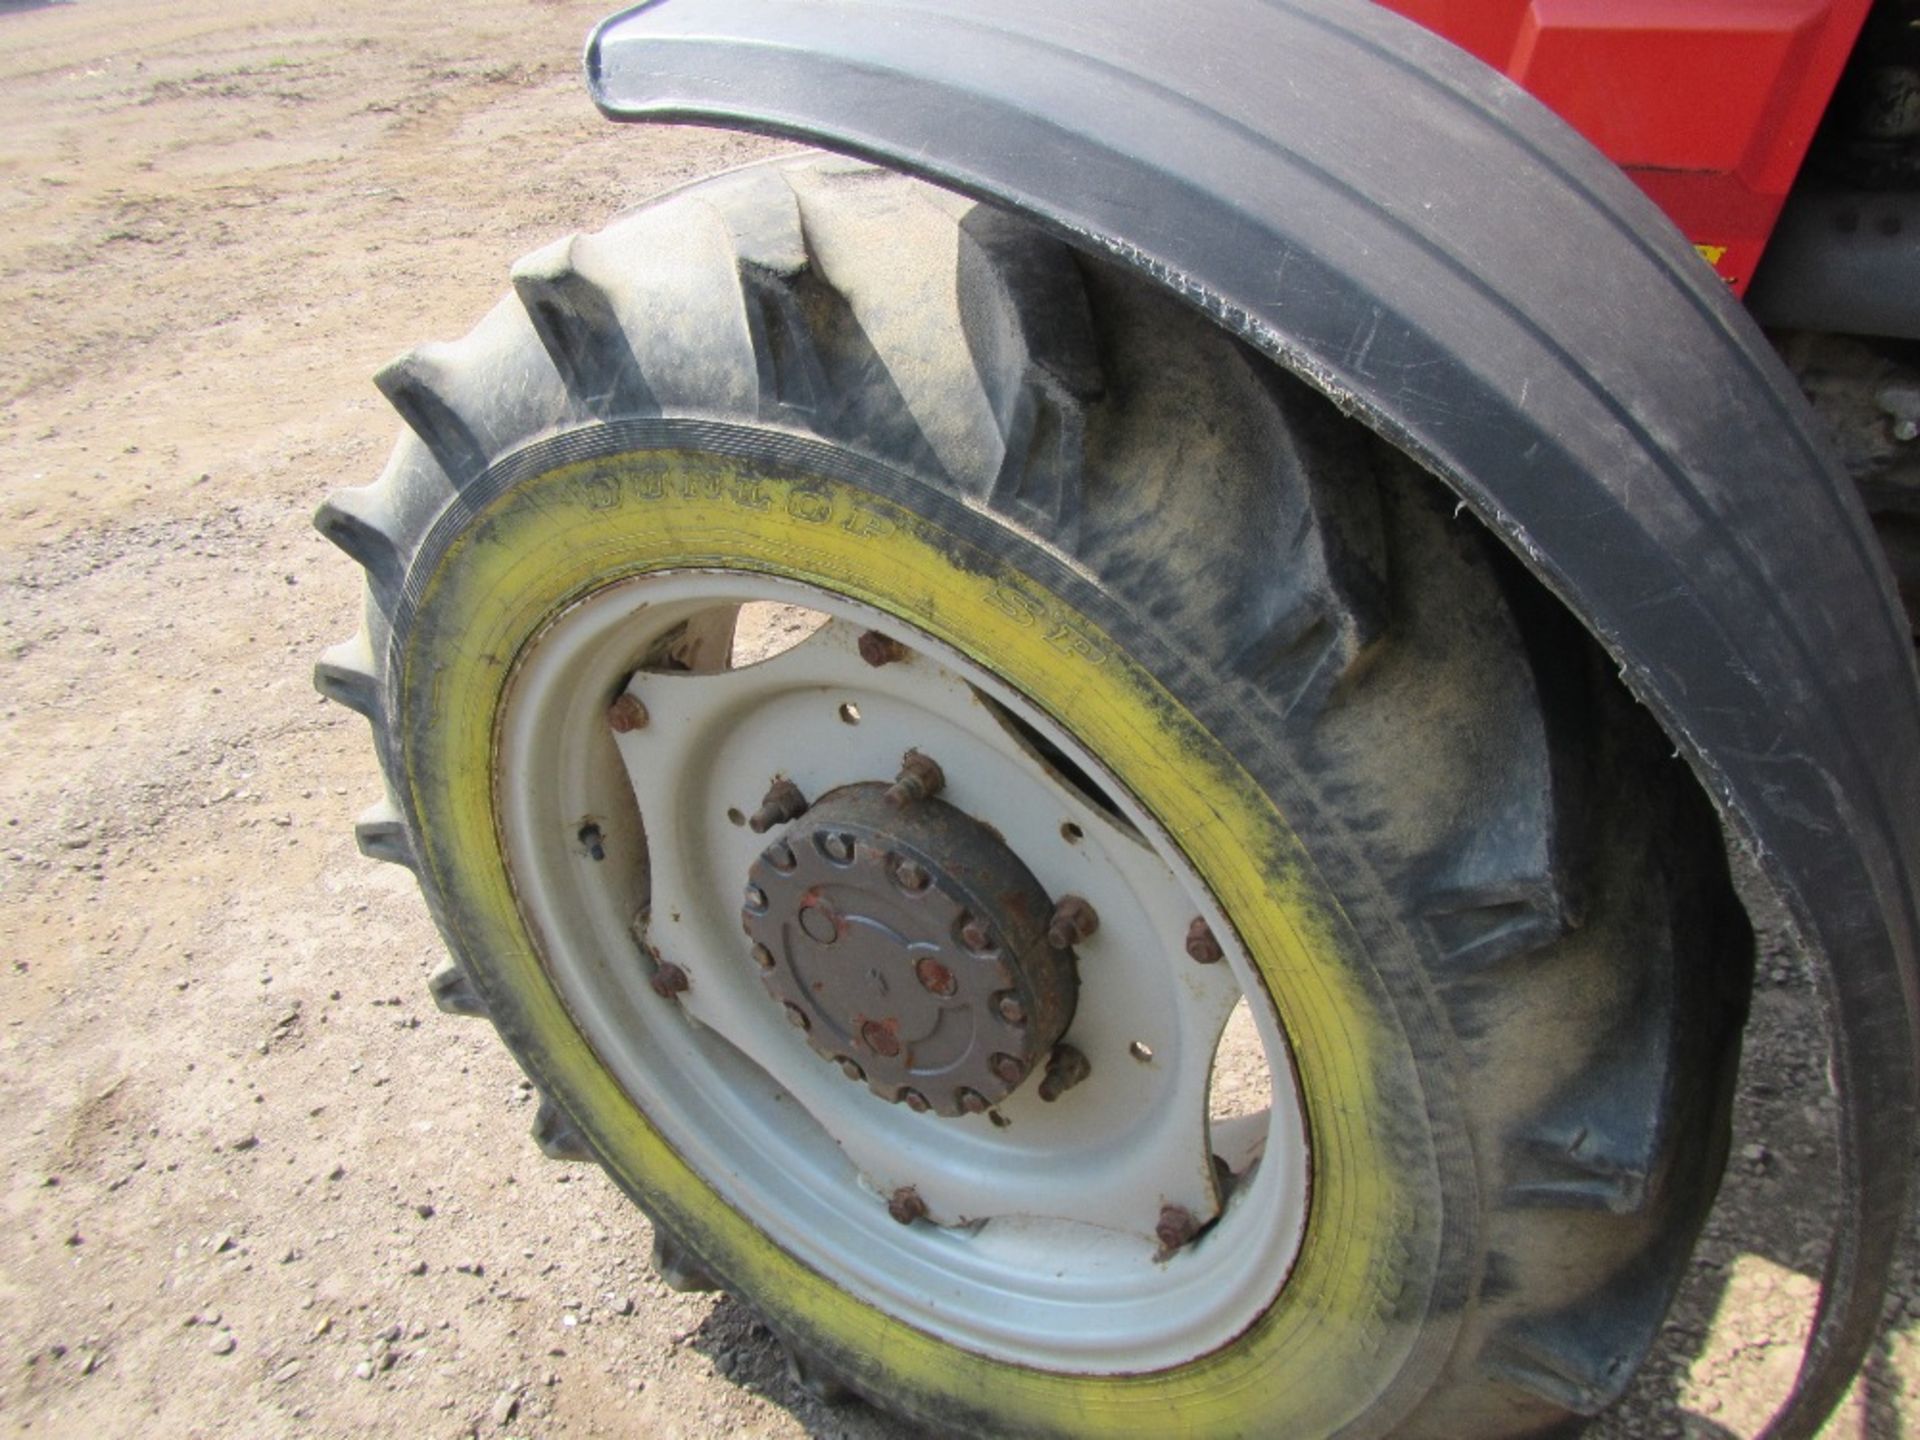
1240	1097
769	628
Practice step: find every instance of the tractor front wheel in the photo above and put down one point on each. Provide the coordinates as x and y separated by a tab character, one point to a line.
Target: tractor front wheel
1045	859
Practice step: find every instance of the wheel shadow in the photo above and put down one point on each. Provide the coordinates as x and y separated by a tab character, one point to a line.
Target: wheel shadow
741	1348
1732	1342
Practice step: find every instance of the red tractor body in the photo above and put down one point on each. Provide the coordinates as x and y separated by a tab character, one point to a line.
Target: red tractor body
1709	105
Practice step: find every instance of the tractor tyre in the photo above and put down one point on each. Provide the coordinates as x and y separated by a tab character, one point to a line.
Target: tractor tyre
1047	860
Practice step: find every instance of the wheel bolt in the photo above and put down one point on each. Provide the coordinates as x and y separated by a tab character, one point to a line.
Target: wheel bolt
915	1101
877	649
911	876
1073	920
1201	945
1008	1007
756	899
837	847
780	856
906	1206
850	1068
668	980
819	925
626	715
975	935
1066	1068
797	1017
935	977
970	1100
782	802
1177	1227
1008	1068
763	957
880	1039
920	778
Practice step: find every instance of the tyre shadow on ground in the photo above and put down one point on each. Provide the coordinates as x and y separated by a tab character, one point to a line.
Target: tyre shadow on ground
1732	1344
742	1349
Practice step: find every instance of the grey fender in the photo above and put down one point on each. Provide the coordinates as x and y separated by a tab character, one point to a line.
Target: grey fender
1454	266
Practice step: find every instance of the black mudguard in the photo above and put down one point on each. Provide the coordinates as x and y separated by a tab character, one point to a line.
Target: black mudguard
1453	265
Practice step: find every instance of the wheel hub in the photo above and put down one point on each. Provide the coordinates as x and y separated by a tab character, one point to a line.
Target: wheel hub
909	944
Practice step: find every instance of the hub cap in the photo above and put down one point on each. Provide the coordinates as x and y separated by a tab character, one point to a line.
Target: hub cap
909	943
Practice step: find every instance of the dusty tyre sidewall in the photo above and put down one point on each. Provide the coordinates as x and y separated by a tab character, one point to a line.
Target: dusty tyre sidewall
1362	1325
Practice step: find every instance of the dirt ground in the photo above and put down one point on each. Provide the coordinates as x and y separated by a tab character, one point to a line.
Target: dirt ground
251	1182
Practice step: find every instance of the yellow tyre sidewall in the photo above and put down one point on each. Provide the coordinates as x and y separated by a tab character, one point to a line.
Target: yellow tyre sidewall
1338	1332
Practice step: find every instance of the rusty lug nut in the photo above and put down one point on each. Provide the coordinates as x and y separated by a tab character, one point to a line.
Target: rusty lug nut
911	876
906	1206
797	1017
782	802
877	649
1073	920
920	778
756	899
763	957
1008	1068
668	980
1201	945
851	1068
1177	1227
880	1039
1008	1007
975	935
934	977
1066	1068
915	1101
837	847
780	856
971	1101
626	714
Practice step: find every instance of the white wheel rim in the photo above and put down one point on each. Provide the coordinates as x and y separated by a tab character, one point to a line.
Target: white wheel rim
1040	1246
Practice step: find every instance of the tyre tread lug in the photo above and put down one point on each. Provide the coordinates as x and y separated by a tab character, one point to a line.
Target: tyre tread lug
1477	933
1581	1359
812	1375
382	834
453	991
677	1267
1041	390
557	1136
888	395
1305	657
1042	477
418	385
1601	1144
358	521
579	326
793	375
345	675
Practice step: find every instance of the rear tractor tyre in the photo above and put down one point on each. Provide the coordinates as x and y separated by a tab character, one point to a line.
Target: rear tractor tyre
1045	859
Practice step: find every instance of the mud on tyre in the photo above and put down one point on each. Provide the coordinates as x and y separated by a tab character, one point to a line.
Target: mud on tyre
1182	645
